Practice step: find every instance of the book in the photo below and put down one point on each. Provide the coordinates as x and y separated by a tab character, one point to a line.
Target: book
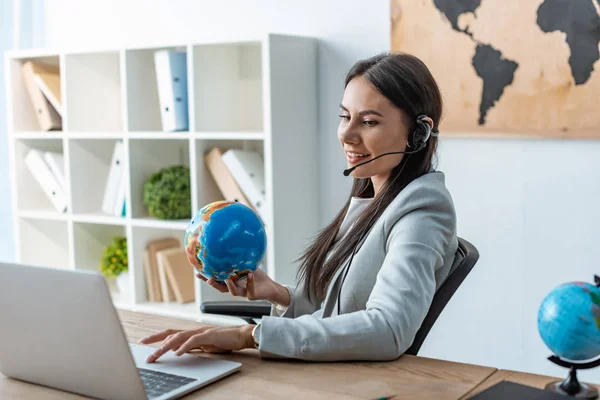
56	163
154	247
115	172
165	286
223	177
179	274
171	80
506	390
49	84
149	278
247	168
44	177
48	118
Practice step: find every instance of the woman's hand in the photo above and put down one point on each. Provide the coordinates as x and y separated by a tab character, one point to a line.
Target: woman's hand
210	338
257	286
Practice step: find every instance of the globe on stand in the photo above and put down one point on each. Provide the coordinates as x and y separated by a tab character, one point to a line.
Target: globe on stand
225	239
569	324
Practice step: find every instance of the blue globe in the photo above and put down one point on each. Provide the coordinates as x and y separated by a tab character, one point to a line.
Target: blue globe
569	321
225	239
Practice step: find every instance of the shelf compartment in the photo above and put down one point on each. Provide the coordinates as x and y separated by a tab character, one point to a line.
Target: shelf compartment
89	242
90	166
43	243
93	92
227	87
150	156
206	189
143	103
31	198
141	237
24	115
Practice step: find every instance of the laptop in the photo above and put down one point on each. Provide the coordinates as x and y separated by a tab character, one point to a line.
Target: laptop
59	328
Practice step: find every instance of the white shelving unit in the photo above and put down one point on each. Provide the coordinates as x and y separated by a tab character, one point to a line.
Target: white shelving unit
252	93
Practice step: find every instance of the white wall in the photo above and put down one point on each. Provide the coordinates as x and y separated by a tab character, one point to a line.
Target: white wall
530	206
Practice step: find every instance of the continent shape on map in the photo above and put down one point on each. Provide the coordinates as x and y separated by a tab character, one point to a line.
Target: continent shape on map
454	8
580	21
496	71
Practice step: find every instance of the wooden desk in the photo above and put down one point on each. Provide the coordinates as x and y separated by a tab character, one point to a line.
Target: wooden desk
407	378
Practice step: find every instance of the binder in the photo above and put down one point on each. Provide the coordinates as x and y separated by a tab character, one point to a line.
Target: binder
119	207
247	168
49	84
44	177
56	163
114	177
47	116
171	79
223	177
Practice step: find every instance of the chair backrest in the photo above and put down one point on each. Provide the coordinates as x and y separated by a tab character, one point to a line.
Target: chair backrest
464	261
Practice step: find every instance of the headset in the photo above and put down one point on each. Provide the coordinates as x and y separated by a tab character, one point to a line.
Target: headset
417	141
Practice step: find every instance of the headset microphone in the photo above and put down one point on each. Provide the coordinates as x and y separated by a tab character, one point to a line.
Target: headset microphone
349	170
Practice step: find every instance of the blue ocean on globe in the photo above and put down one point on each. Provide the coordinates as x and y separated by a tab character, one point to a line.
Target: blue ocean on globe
225	239
569	321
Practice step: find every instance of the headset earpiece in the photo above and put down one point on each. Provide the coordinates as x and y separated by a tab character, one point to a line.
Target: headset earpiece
421	134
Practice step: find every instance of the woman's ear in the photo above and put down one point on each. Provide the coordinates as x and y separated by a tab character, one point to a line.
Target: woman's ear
429	121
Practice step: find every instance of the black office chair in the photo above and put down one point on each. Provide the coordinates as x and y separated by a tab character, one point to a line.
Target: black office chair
464	261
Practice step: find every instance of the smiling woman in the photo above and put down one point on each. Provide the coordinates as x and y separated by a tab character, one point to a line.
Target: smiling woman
367	281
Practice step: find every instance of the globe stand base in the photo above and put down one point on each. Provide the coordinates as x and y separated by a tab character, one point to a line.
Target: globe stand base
585	392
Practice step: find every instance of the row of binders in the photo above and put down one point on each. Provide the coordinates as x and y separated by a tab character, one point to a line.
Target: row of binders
169	275
47	168
42	83
239	175
113	202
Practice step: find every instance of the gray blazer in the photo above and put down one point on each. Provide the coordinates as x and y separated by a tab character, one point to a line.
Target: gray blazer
387	291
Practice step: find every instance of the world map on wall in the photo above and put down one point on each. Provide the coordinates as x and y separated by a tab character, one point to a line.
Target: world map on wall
508	65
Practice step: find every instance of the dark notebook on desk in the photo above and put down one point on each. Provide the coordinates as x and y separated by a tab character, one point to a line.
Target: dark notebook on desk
506	390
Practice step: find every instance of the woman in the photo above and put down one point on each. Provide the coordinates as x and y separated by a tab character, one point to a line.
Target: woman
367	281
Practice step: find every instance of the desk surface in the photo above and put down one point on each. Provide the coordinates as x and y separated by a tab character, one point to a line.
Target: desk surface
407	378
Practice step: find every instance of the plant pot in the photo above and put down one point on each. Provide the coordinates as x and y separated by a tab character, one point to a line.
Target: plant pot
122	281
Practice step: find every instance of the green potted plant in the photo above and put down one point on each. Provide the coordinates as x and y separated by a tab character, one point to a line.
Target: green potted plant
115	264
167	193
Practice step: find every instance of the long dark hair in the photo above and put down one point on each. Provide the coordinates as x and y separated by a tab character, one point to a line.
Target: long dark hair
407	82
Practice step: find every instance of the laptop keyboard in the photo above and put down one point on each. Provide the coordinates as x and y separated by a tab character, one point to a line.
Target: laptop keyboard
158	383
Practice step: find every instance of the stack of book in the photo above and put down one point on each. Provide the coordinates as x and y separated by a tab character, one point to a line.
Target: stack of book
239	175
169	274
